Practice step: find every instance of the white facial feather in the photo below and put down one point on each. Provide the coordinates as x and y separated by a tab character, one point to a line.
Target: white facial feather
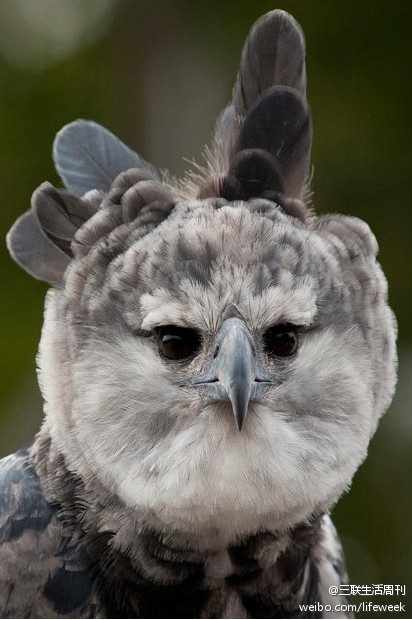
121	416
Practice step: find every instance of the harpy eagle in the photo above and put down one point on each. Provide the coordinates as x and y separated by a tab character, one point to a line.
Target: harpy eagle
214	361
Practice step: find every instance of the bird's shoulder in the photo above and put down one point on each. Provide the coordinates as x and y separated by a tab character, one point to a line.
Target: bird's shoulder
22	504
40	574
333	579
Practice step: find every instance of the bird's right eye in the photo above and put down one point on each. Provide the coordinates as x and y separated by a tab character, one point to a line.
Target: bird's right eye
178	343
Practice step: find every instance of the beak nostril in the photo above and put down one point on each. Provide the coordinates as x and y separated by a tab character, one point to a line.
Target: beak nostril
216	351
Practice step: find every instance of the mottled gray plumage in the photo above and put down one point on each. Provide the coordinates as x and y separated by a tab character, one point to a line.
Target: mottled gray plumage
214	361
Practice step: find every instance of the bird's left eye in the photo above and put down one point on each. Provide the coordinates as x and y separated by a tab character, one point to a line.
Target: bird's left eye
281	340
178	343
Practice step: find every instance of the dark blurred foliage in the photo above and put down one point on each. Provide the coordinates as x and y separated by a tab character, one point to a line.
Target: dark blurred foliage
157	73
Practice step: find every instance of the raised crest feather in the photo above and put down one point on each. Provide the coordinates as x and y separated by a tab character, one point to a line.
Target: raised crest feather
88	156
60	214
269	112
274	53
30	247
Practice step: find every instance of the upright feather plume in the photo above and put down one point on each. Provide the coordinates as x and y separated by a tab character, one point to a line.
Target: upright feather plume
88	156
88	159
263	138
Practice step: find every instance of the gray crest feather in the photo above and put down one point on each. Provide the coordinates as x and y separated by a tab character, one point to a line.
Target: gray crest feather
32	249
279	123
274	53
88	156
40	240
60	214
268	112
93	163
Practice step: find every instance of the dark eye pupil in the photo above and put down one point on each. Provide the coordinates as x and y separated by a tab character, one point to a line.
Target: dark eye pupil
281	340
178	343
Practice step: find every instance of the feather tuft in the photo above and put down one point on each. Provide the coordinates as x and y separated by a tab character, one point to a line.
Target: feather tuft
88	156
268	111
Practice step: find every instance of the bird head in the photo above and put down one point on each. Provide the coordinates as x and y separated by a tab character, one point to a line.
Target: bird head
212	353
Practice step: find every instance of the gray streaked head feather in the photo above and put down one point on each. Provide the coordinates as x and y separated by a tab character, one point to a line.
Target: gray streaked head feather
134	429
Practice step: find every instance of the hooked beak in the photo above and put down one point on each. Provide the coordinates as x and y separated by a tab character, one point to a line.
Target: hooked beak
234	373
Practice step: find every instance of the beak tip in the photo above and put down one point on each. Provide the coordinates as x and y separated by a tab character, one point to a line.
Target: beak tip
240	419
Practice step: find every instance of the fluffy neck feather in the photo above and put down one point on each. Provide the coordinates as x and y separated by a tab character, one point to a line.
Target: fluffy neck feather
151	571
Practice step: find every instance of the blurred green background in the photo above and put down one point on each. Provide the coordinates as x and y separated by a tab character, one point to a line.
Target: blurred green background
156	74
